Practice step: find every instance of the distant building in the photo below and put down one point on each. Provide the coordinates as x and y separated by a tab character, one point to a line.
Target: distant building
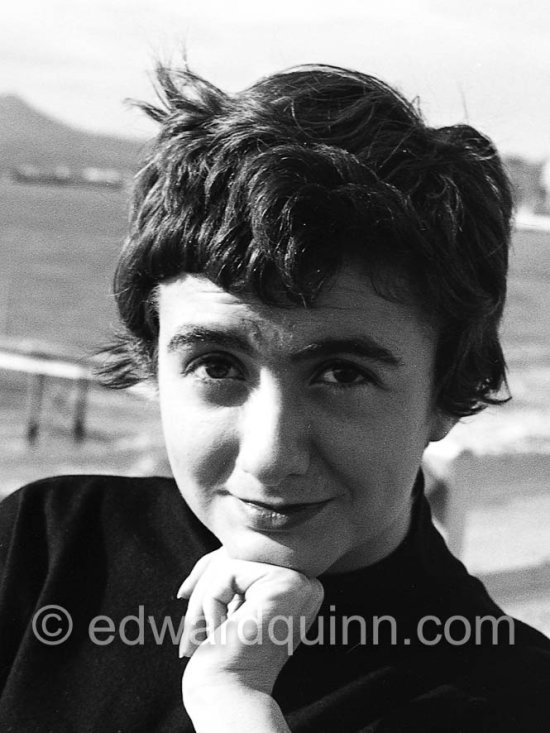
62	175
529	194
545	184
102	177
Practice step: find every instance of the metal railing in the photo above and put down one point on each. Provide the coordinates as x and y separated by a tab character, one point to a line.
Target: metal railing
42	362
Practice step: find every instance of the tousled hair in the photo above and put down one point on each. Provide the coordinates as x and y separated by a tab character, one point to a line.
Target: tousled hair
271	190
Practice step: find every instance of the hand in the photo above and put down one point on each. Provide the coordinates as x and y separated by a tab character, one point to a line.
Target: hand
244	620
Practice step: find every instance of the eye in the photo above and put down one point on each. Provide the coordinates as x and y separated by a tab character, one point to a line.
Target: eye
343	374
214	368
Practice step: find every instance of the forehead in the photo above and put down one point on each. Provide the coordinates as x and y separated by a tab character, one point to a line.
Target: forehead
349	307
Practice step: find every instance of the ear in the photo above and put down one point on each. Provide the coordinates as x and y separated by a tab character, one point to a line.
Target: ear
442	423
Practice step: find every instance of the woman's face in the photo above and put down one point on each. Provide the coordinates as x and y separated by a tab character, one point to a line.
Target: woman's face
295	434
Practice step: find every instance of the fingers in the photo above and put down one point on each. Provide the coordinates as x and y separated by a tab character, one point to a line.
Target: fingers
186	588
218	587
194	629
211	601
233	577
215	613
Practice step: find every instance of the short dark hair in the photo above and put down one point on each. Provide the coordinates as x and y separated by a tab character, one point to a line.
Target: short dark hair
270	190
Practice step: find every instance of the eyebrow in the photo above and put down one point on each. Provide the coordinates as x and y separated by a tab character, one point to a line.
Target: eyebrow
197	335
362	346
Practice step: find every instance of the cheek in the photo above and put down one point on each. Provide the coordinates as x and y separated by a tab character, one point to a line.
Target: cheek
201	444
376	454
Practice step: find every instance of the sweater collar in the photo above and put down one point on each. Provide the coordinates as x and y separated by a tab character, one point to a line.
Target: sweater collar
421	557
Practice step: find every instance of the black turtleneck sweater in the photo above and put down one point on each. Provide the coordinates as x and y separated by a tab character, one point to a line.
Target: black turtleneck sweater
416	655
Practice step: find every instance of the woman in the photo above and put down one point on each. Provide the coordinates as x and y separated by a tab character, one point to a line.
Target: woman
313	280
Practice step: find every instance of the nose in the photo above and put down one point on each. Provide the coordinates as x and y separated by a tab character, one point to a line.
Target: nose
274	434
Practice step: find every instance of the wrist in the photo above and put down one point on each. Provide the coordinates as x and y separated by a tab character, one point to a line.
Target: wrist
228	706
224	688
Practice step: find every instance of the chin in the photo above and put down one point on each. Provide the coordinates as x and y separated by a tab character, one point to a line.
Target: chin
271	551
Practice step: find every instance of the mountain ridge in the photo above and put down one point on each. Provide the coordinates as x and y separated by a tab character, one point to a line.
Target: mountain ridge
31	137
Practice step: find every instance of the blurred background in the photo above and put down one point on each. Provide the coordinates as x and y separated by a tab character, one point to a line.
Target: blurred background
70	145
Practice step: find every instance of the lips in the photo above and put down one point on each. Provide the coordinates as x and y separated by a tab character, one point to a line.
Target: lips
263	516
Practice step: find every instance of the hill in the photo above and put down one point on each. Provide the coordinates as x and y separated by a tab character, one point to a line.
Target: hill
29	137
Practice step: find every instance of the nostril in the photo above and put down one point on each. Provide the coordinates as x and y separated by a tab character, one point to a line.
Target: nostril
272	461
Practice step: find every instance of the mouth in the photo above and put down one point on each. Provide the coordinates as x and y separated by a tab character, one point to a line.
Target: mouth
267	517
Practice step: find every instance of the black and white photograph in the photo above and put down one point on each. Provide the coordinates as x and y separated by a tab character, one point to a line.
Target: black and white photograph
274	366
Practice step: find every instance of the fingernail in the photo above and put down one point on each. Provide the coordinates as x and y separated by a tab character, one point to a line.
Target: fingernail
182	592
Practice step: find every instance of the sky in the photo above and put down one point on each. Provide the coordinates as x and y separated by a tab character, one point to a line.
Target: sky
485	62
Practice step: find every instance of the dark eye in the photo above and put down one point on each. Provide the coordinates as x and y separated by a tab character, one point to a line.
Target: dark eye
343	375
215	368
